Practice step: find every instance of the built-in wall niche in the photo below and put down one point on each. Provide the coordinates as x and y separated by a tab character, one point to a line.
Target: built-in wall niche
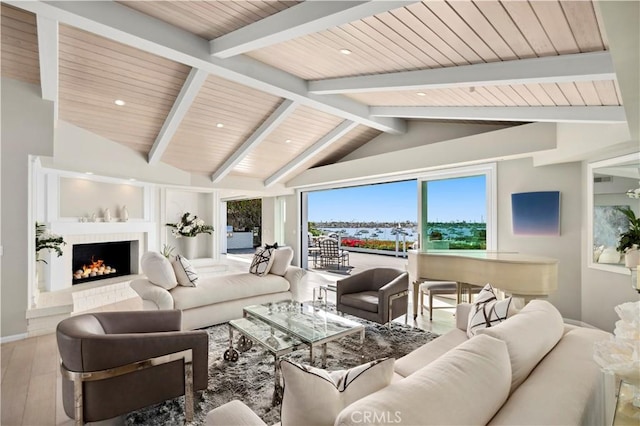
83	198
200	203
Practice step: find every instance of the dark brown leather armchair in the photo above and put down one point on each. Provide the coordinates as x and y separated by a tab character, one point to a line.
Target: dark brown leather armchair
117	362
377	294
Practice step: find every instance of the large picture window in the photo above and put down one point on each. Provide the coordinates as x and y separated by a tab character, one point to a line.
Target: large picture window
457	209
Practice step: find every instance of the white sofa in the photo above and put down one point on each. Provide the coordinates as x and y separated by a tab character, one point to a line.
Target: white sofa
220	298
551	378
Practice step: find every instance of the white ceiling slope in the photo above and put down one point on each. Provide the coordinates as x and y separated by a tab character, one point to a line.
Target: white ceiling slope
260	91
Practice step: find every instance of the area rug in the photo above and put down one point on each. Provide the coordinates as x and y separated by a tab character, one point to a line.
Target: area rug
251	378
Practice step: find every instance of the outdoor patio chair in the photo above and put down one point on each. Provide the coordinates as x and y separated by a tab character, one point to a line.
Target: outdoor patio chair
331	254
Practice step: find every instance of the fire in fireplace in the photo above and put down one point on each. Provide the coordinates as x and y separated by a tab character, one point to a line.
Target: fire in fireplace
92	262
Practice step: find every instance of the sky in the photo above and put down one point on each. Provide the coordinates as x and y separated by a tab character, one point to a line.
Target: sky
449	200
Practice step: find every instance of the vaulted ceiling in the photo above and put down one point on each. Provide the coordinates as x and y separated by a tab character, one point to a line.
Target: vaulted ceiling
268	89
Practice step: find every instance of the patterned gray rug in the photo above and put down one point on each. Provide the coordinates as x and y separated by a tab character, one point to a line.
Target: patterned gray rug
251	380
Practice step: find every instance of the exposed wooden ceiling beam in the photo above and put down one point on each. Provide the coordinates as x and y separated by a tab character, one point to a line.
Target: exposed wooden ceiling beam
188	93
297	21
48	56
122	24
622	24
279	115
331	137
563	114
554	69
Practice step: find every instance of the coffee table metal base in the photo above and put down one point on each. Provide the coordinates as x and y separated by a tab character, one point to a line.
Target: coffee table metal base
251	331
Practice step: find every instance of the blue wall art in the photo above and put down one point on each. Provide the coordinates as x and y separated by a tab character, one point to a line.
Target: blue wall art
536	213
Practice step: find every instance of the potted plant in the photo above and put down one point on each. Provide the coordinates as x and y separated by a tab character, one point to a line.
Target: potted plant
629	240
45	240
189	226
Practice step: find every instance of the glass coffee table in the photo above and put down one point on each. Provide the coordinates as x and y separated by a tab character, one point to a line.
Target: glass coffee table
283	327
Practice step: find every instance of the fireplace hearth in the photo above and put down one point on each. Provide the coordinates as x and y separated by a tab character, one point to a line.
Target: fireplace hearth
98	261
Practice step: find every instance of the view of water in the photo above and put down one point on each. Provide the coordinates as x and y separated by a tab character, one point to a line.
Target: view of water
449	231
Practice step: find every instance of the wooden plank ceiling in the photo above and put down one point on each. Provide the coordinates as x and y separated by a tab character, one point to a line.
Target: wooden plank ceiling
19	53
95	71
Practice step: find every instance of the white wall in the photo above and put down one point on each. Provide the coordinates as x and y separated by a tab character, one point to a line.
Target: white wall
420	133
27	128
520	176
602	291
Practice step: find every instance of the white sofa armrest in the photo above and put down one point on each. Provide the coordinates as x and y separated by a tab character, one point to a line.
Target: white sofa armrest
295	276
153	296
462	315
233	413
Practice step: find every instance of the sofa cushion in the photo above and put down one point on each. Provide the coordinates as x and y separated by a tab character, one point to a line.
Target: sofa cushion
487	311
158	270
529	335
428	353
567	383
262	261
365	300
185	272
466	386
282	258
313	396
221	288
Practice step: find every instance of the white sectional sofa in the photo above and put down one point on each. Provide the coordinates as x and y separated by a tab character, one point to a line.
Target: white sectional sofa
220	298
531	369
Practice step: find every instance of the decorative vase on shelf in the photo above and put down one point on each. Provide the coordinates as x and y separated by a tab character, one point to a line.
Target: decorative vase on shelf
124	214
189	247
107	215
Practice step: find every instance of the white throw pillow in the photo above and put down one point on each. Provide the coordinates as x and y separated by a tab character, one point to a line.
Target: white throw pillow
282	258
529	336
185	272
315	397
262	261
158	270
465	386
487	311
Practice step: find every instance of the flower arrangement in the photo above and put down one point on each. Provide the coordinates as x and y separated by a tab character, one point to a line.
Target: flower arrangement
46	240
189	226
621	354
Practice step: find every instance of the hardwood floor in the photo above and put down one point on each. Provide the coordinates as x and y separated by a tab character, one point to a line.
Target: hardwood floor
31	381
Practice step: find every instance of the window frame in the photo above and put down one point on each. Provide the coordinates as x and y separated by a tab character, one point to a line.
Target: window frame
491	189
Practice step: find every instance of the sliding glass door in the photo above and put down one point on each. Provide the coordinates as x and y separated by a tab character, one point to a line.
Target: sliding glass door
457	209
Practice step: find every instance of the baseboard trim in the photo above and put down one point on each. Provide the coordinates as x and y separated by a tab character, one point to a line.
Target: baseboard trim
13	338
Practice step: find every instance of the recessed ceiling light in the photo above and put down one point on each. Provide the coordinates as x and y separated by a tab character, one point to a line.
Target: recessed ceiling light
421	94
89	173
132	180
119	102
345	51
287	141
219	125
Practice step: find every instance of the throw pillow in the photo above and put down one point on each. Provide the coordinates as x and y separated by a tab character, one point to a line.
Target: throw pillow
487	311
281	261
313	396
158	270
262	261
185	272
